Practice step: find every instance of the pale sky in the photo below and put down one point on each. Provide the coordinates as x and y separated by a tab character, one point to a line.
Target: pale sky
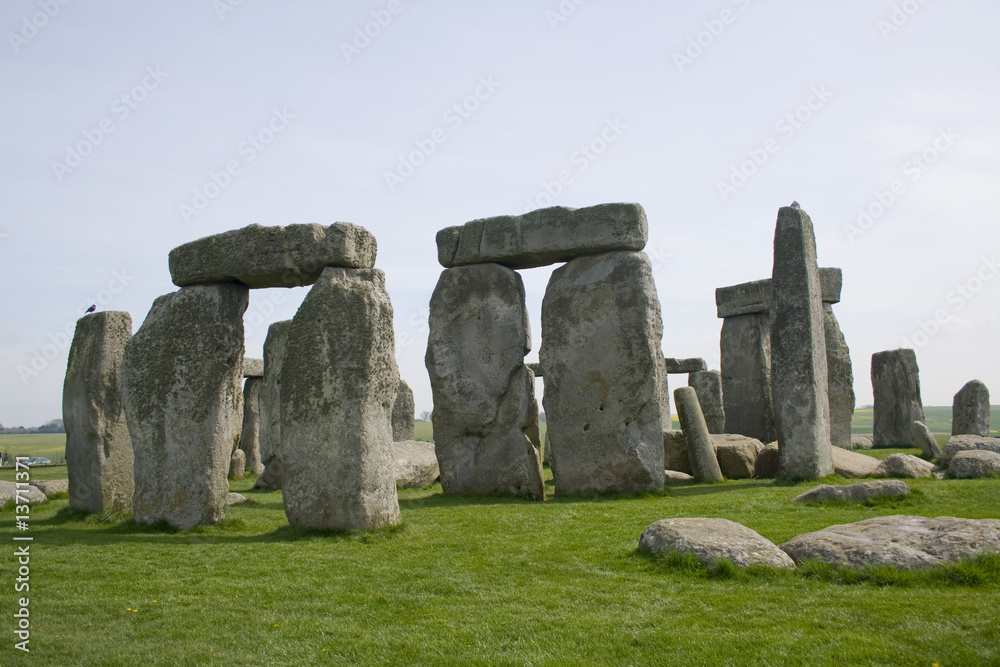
129	128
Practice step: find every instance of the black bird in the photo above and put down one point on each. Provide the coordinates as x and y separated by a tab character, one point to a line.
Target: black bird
92	308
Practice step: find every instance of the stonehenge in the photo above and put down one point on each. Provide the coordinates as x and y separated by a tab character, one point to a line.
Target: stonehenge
403	412
250	431
896	385
971	410
275	345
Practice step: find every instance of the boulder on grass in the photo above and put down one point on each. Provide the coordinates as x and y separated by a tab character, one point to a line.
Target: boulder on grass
712	539
962	443
30	493
51	486
237	464
975	464
852	464
904	465
768	464
675	452
737	454
676	477
925	440
862	442
855	493
416	464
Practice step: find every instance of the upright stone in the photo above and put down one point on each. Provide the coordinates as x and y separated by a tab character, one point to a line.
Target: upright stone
181	384
403	412
601	333
841	381
250	433
896	386
746	376
701	449
799	380
275	346
237	464
338	385
485	412
98	446
708	386
970	413
665	402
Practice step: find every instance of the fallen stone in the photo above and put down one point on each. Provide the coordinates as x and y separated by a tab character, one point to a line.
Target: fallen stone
708	386
99	458
861	442
905	542
250	432
31	494
51	487
259	257
975	464
275	347
237	464
712	539
545	236
896	385
904	465
840	381
746	376
962	443
675	453
677	366
701	447
925	439
737	455
676	477
403	411
855	493
970	414
253	367
235	498
768	463
755	297
852	464
416	464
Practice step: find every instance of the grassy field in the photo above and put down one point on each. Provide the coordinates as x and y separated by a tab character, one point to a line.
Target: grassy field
50	445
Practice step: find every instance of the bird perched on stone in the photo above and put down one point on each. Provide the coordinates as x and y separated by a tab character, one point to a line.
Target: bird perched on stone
795	204
92	308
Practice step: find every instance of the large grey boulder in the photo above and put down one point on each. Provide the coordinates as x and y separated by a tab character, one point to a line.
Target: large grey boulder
338	385
712	539
485	413
10	491
904	465
970	414
708	386
975	464
98	445
181	385
692	365
50	487
799	380
250	431
675	452
962	443
416	465
258	256
745	347
755	296
906	542
403	411
768	463
861	441
853	464
737	455
925	439
840	381
855	493
275	347
237	464
545	236
700	446
601	331
896	385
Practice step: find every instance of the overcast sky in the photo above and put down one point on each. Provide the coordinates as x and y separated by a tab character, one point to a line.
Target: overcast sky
129	128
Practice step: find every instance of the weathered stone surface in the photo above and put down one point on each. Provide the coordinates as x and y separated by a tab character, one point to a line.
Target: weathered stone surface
962	443
545	236
768	463
799	381
906	542
275	347
416	465
925	439
896	384
601	332
181	387
338	385
253	367
237	464
701	447
678	366
675	452
974	464
51	486
852	464
258	256
665	417
485	413
904	465
840	378
855	493
861	442
403	411
8	492
746	376
676	477
235	498
537	369
708	386
755	297
250	432
98	445
712	539
970	414
737	455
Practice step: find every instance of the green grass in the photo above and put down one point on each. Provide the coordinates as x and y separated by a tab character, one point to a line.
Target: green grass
937	418
50	445
485	581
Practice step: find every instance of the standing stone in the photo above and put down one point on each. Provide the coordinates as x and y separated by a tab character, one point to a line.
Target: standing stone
338	385
708	386
237	464
746	376
665	402
181	385
970	413
275	346
799	381
896	385
98	446
250	433
701	448
485	411
925	440
403	411
601	332
841	381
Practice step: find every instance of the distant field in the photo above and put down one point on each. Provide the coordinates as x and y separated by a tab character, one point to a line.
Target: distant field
50	445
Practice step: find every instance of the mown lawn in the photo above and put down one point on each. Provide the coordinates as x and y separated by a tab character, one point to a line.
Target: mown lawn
487	581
